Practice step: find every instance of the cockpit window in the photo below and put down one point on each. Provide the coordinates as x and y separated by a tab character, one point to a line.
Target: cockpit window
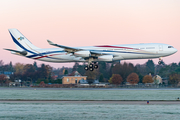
170	47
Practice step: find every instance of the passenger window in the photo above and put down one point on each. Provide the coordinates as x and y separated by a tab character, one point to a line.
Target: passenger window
150	48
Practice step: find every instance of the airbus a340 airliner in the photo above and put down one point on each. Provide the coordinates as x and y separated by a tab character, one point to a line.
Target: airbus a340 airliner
91	54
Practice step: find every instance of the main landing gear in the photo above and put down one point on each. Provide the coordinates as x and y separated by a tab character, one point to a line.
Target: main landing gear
91	67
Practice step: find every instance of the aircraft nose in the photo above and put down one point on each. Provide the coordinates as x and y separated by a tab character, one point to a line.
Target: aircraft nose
175	50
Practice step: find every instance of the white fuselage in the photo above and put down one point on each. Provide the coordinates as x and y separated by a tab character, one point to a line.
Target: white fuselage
121	52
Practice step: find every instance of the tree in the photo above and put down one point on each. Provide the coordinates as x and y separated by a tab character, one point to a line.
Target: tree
165	71
91	75
103	69
3	78
29	72
150	67
44	80
19	67
80	69
147	79
19	70
124	69
177	70
140	78
10	67
116	79
66	72
59	81
101	78
44	71
75	66
174	79
133	78
42	84
174	66
35	65
141	69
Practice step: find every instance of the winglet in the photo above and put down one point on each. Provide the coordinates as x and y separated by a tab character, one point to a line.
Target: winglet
50	42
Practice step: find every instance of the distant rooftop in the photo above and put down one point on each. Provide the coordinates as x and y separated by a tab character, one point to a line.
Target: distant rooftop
6	72
75	73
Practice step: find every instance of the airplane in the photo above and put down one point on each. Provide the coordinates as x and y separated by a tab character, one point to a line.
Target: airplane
90	54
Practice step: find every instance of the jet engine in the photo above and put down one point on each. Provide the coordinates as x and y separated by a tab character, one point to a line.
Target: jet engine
82	54
105	58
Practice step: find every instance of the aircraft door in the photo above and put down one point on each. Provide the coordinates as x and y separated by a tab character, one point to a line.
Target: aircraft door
160	48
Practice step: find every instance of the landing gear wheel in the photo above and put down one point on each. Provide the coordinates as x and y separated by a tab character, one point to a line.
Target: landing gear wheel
86	68
160	62
91	68
95	66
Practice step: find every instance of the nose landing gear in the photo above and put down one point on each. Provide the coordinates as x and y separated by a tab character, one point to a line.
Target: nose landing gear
160	61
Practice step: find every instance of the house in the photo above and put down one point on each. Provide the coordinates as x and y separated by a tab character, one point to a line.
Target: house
7	73
17	83
73	78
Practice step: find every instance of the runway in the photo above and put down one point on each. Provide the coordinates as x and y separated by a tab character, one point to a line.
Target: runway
129	102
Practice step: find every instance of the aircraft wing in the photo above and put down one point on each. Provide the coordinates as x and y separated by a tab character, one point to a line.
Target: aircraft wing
74	50
66	48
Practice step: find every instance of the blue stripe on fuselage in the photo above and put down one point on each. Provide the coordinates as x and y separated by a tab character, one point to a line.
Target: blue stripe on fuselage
45	53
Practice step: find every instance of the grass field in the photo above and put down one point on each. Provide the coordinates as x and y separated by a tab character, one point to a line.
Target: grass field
87	111
88	94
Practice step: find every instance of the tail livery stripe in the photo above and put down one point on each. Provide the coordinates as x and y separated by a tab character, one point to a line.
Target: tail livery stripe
21	45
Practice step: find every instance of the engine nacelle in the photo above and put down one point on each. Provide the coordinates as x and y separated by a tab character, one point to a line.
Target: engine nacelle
82	53
105	58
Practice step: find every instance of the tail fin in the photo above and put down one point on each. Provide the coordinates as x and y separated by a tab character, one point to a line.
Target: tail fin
22	43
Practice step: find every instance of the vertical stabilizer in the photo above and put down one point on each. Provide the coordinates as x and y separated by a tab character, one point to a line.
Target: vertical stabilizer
22	43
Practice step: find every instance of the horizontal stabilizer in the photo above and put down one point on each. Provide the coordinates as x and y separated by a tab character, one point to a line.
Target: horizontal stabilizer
20	52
